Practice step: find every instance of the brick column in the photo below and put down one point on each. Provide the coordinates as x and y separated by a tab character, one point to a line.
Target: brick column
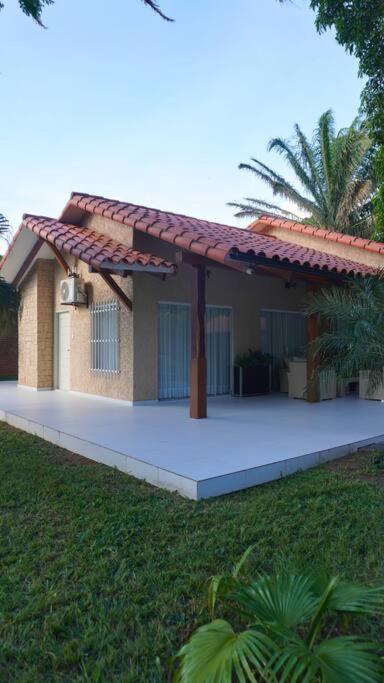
36	326
45	323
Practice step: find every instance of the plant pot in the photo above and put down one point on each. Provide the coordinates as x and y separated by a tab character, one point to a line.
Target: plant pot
254	380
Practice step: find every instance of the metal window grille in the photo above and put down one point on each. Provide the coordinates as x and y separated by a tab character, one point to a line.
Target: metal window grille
105	337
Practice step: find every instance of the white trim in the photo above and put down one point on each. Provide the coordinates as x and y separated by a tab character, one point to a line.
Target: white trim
150	402
281	310
123	401
56	348
136	467
174	303
25	386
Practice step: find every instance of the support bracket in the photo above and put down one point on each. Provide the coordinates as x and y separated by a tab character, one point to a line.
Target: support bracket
126	301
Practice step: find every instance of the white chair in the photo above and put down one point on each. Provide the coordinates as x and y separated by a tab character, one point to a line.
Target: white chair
297	381
376	395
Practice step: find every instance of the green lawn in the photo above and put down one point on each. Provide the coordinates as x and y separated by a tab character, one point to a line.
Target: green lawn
102	577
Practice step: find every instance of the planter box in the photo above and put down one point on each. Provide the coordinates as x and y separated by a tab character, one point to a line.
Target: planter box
252	381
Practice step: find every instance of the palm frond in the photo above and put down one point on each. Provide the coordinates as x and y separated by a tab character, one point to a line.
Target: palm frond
308	157
349	597
279	185
281	601
216	654
282	147
348	659
354	339
254	208
34	9
4	226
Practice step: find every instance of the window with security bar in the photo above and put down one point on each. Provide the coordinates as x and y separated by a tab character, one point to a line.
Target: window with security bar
105	337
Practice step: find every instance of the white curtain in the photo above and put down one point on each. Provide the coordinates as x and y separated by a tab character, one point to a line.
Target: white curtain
218	351
283	335
175	350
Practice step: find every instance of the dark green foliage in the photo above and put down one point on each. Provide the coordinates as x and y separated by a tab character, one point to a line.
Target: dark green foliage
354	339
359	26
4	225
9	298
34	8
335	179
290	629
253	357
9	303
103	577
379	198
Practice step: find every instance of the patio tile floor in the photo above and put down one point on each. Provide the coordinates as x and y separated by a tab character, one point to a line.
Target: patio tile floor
244	442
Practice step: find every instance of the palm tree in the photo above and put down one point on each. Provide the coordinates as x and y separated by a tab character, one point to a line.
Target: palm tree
292	626
334	171
354	336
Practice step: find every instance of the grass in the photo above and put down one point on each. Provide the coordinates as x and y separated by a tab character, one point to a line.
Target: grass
103	577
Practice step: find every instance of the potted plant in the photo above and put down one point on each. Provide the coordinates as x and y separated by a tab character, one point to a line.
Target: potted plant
252	373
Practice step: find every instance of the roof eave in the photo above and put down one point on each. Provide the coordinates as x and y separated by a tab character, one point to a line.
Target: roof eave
324	273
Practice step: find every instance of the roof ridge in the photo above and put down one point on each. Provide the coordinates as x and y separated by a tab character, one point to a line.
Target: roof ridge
212	240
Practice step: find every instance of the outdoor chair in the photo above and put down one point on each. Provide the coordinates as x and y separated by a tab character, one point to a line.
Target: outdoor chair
297	381
376	395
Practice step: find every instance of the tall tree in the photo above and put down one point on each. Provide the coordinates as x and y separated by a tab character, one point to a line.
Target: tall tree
334	177
359	27
34	8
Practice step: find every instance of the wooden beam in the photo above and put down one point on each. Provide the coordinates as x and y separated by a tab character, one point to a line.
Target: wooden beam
313	328
137	268
252	261
60	258
116	289
27	262
198	399
186	257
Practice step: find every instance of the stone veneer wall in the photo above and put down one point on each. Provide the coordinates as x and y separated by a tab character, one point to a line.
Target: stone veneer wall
36	327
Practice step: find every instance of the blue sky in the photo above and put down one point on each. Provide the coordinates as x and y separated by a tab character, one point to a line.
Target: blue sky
122	104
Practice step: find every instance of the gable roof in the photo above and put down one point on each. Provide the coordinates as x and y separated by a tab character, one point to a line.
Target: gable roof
92	247
89	246
221	243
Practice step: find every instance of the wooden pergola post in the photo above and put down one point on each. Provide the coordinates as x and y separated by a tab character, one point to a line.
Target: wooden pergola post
198	375
313	328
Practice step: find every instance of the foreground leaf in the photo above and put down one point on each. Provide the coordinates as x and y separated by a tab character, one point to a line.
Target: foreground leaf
216	654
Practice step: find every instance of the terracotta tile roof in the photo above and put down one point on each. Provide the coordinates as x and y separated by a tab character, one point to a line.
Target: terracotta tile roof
90	246
213	240
264	223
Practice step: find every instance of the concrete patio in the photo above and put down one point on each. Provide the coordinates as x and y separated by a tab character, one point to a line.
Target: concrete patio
244	442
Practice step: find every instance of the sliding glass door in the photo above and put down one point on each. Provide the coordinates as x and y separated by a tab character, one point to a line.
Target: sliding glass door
175	350
283	335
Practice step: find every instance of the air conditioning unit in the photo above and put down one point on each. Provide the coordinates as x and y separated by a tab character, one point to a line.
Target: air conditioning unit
72	292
